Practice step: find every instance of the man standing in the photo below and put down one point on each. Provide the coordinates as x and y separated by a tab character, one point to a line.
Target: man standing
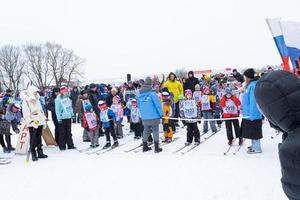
239	77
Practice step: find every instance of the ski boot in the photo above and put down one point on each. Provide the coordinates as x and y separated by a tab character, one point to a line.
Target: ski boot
145	147
116	144
157	149
241	141
6	150
230	142
33	156
107	145
41	154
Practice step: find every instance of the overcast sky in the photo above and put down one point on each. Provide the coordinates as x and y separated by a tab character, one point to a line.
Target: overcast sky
149	37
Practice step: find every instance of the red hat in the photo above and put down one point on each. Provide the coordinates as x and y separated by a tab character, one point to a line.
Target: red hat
63	89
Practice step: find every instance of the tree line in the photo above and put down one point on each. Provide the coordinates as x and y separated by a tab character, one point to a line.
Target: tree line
42	65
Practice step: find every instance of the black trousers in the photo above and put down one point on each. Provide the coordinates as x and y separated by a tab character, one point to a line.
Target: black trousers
7	140
56	127
65	134
110	132
35	138
237	128
192	132
137	128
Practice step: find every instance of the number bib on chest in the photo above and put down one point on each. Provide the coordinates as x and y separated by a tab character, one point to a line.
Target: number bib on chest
135	117
67	105
197	96
190	109
230	107
104	116
91	120
205	102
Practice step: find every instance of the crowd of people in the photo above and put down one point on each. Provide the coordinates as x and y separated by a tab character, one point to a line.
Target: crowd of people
101	109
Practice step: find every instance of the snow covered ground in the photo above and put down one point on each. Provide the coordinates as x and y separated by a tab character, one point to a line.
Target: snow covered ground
204	173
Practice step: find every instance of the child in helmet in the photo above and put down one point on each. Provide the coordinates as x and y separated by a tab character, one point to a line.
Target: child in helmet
167	113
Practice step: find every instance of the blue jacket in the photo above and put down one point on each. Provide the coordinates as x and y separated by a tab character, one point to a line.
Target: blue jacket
249	105
63	108
149	105
108	118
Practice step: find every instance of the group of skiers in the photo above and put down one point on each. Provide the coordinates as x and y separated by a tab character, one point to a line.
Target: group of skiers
145	103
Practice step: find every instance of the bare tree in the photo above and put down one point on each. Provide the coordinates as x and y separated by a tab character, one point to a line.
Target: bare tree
37	70
11	66
65	66
181	73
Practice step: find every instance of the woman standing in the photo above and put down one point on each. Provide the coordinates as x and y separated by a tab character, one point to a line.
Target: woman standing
252	122
65	114
35	120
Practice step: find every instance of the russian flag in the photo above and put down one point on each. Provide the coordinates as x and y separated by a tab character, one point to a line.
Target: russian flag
275	28
291	33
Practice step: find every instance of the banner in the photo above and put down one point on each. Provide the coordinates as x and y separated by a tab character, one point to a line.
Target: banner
23	140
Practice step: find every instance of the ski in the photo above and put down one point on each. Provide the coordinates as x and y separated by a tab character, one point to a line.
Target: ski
229	147
5	161
166	143
109	149
84	149
132	149
205	138
136	151
238	149
95	150
180	149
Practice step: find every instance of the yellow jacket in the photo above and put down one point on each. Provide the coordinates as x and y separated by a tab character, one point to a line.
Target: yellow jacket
167	112
175	87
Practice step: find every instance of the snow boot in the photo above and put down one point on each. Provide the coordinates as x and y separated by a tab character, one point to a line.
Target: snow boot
6	150
145	147
41	154
187	143
230	142
116	144
252	151
33	156
11	148
107	145
157	149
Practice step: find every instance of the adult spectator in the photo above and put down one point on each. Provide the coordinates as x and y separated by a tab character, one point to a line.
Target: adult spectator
51	107
191	82
239	77
151	113
277	95
74	97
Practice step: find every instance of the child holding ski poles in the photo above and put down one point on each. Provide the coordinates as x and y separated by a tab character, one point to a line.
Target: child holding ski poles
190	110
231	109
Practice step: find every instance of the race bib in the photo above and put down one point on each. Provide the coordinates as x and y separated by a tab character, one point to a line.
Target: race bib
135	117
205	102
230	107
104	116
67	105
190	109
91	119
197	96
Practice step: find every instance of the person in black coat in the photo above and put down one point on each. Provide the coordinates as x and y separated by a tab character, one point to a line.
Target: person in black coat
190	82
239	77
94	97
51	107
278	94
74	97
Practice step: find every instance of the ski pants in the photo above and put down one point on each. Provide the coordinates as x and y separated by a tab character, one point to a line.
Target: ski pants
237	129
209	115
93	136
110	132
147	131
35	138
65	134
119	129
192	132
138	129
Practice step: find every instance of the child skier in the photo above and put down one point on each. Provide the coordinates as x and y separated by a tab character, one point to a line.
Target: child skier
90	124
208	104
135	117
167	112
108	119
119	112
190	110
231	108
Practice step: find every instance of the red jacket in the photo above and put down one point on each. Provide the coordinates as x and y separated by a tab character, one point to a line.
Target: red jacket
85	123
231	106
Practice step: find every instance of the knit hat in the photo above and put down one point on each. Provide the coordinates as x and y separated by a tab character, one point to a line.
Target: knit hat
165	94
56	89
188	92
249	73
148	81
228	91
17	106
88	107
63	89
101	103
93	85
197	87
84	92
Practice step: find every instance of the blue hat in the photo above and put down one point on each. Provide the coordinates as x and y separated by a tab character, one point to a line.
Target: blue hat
228	91
88	106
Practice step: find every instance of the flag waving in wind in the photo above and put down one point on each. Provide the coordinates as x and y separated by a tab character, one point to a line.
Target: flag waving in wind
275	28
291	33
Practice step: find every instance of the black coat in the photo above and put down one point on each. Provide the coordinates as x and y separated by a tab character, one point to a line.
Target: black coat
190	83
278	96
74	97
94	98
239	77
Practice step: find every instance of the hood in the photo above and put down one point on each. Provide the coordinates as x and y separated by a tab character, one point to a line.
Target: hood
145	88
277	95
192	73
30	92
101	87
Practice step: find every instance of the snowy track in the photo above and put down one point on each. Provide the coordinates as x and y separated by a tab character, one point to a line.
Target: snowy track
203	173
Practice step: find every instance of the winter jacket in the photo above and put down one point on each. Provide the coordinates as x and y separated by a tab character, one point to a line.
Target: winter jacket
74	97
149	104
130	93
239	77
190	83
135	115
94	98
79	108
103	93
109	98
277	95
9	115
90	121
175	87
249	106
108	118
167	111
32	110
231	106
63	108
189	110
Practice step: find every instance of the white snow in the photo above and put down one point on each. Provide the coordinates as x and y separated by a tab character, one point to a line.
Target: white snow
204	173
